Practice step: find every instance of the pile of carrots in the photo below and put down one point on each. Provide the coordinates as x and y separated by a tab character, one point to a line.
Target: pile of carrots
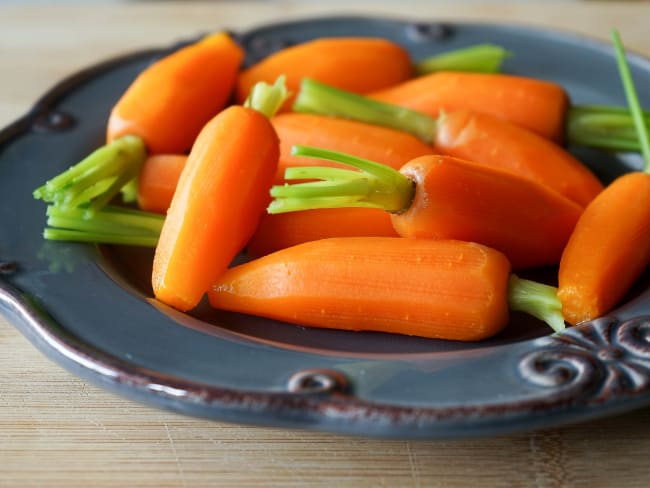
367	194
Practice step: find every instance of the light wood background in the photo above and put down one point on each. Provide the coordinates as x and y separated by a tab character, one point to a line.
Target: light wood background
58	431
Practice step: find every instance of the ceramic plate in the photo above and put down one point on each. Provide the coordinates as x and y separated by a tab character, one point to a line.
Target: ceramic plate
89	308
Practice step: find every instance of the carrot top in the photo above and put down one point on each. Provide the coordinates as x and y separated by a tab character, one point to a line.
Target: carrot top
638	117
479	58
373	186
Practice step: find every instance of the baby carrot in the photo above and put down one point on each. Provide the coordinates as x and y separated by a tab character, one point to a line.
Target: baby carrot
160	173
441	197
171	100
162	111
486	139
440	289
363	64
157	181
610	246
382	144
278	231
359	64
537	105
218	200
467	135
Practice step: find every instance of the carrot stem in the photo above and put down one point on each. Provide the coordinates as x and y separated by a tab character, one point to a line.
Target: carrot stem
319	98
371	185
95	180
110	225
536	299
267	99
480	58
633	99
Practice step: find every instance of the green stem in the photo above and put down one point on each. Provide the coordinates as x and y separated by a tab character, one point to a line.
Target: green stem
267	99
95	180
371	185
110	225
610	128
319	98
536	299
640	123
480	58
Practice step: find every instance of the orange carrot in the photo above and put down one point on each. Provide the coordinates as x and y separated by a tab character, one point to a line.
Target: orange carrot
537	105
219	198
467	135
359	64
382	144
610	246
157	181
608	250
171	100
278	231
441	197
160	173
436	289
486	139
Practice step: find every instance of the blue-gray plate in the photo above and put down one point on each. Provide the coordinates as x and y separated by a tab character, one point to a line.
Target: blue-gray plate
89	308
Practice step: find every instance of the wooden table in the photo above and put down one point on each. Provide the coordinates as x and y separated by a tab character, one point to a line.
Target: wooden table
58	431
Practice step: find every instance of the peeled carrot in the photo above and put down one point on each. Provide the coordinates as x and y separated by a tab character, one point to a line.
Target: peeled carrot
219	198
157	181
608	250
610	246
440	197
441	289
359	64
382	144
535	104
171	100
486	139
467	135
436	289
279	231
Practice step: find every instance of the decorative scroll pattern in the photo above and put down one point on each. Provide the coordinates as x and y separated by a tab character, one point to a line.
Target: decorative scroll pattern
598	360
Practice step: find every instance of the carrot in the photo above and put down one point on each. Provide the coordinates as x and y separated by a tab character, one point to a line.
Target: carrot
218	201
441	197
171	100
160	173
363	64
436	289
537	105
359	64
610	246
162	111
486	139
157	181
382	144
467	135
278	231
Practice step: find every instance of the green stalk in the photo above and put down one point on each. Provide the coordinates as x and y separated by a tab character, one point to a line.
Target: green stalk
110	225
536	299
480	58
371	185
95	180
640	123
267	99
319	98
610	128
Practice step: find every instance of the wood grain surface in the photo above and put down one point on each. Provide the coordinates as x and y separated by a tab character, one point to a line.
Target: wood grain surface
58	431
